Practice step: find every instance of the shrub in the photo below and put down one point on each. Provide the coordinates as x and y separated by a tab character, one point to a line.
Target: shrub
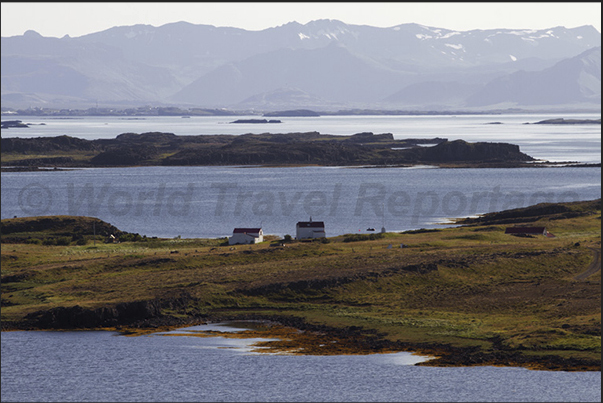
362	237
63	241
420	231
130	238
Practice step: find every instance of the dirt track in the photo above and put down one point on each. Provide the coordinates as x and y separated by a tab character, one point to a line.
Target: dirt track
594	267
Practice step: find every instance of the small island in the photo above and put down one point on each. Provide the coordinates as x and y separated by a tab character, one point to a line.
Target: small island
256	121
6	124
267	149
562	121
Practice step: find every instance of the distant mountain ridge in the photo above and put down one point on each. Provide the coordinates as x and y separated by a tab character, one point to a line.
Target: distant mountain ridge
577	79
324	63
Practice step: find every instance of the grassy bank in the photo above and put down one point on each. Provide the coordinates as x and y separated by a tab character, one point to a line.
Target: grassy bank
471	295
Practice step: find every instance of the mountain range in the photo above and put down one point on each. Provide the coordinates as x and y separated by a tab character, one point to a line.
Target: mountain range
324	64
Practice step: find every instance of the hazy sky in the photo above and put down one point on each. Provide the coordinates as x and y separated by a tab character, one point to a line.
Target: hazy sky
76	19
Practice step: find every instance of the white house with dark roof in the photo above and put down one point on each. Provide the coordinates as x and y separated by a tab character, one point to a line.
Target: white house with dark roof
246	236
310	229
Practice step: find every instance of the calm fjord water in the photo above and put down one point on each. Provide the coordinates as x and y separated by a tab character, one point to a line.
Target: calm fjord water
208	202
211	201
551	142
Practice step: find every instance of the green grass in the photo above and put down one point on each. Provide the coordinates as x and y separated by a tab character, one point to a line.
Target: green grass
462	287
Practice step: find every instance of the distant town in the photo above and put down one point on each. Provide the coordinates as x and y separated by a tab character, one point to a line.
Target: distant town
184	112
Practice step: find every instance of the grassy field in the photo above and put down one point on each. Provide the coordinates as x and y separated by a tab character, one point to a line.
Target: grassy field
471	295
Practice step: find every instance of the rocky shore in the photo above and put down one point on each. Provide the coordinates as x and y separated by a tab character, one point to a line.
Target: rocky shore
294	336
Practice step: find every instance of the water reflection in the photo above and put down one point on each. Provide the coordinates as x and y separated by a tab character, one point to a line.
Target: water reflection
247	336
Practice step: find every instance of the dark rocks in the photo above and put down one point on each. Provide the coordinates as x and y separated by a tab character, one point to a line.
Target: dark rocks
311	148
370	137
79	318
125	155
256	121
12	123
136	314
460	150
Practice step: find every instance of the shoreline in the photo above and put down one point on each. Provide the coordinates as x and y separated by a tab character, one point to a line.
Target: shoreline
543	164
291	336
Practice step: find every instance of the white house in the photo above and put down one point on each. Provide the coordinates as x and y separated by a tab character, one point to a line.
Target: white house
246	236
310	229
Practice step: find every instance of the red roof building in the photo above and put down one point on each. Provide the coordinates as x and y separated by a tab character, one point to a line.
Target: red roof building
246	236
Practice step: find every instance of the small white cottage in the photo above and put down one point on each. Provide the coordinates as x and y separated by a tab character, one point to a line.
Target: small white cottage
246	236
310	229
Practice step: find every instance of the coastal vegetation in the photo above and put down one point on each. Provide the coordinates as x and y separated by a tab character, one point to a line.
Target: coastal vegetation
466	295
267	149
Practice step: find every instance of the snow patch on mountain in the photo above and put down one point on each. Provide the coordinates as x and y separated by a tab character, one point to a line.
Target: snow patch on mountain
449	34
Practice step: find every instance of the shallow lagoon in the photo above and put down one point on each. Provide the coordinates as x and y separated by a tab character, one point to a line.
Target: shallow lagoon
105	366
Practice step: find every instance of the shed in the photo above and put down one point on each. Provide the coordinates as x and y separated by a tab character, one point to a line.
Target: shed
246	236
526	231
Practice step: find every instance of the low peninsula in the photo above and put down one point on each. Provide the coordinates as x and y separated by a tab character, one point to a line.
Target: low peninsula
7	124
267	149
476	294
562	121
